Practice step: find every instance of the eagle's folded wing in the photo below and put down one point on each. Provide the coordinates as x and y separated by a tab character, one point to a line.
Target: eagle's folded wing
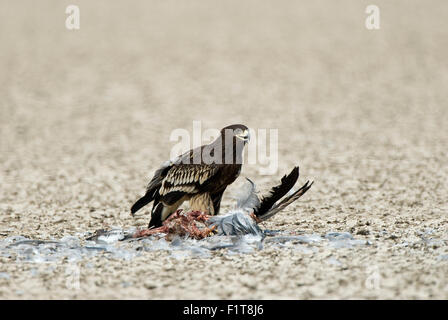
188	178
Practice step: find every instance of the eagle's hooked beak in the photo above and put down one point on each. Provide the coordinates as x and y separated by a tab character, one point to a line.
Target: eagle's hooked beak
245	136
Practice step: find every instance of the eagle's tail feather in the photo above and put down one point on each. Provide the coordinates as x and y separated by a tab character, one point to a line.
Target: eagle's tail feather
143	201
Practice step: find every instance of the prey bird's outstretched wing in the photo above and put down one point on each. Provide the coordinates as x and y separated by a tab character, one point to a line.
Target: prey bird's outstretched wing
277	192
240	222
268	204
286	201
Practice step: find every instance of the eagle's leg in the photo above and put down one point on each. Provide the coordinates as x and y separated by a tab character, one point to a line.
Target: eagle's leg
162	212
203	203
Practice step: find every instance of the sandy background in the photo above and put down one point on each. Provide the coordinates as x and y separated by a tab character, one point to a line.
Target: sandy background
85	119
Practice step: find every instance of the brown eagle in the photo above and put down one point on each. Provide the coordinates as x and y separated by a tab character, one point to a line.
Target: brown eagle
200	176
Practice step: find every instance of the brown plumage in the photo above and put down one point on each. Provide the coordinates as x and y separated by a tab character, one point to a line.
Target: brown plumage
199	176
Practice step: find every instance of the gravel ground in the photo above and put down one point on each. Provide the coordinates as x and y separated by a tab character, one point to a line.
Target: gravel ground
86	116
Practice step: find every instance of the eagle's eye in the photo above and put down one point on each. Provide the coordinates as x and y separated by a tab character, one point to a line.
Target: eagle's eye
242	134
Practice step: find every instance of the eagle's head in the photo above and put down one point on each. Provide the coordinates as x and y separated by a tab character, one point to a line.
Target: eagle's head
238	131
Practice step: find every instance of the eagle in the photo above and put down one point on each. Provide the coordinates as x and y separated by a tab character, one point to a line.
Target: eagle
200	176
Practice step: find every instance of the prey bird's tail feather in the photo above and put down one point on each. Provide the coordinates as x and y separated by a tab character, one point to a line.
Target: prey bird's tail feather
277	192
